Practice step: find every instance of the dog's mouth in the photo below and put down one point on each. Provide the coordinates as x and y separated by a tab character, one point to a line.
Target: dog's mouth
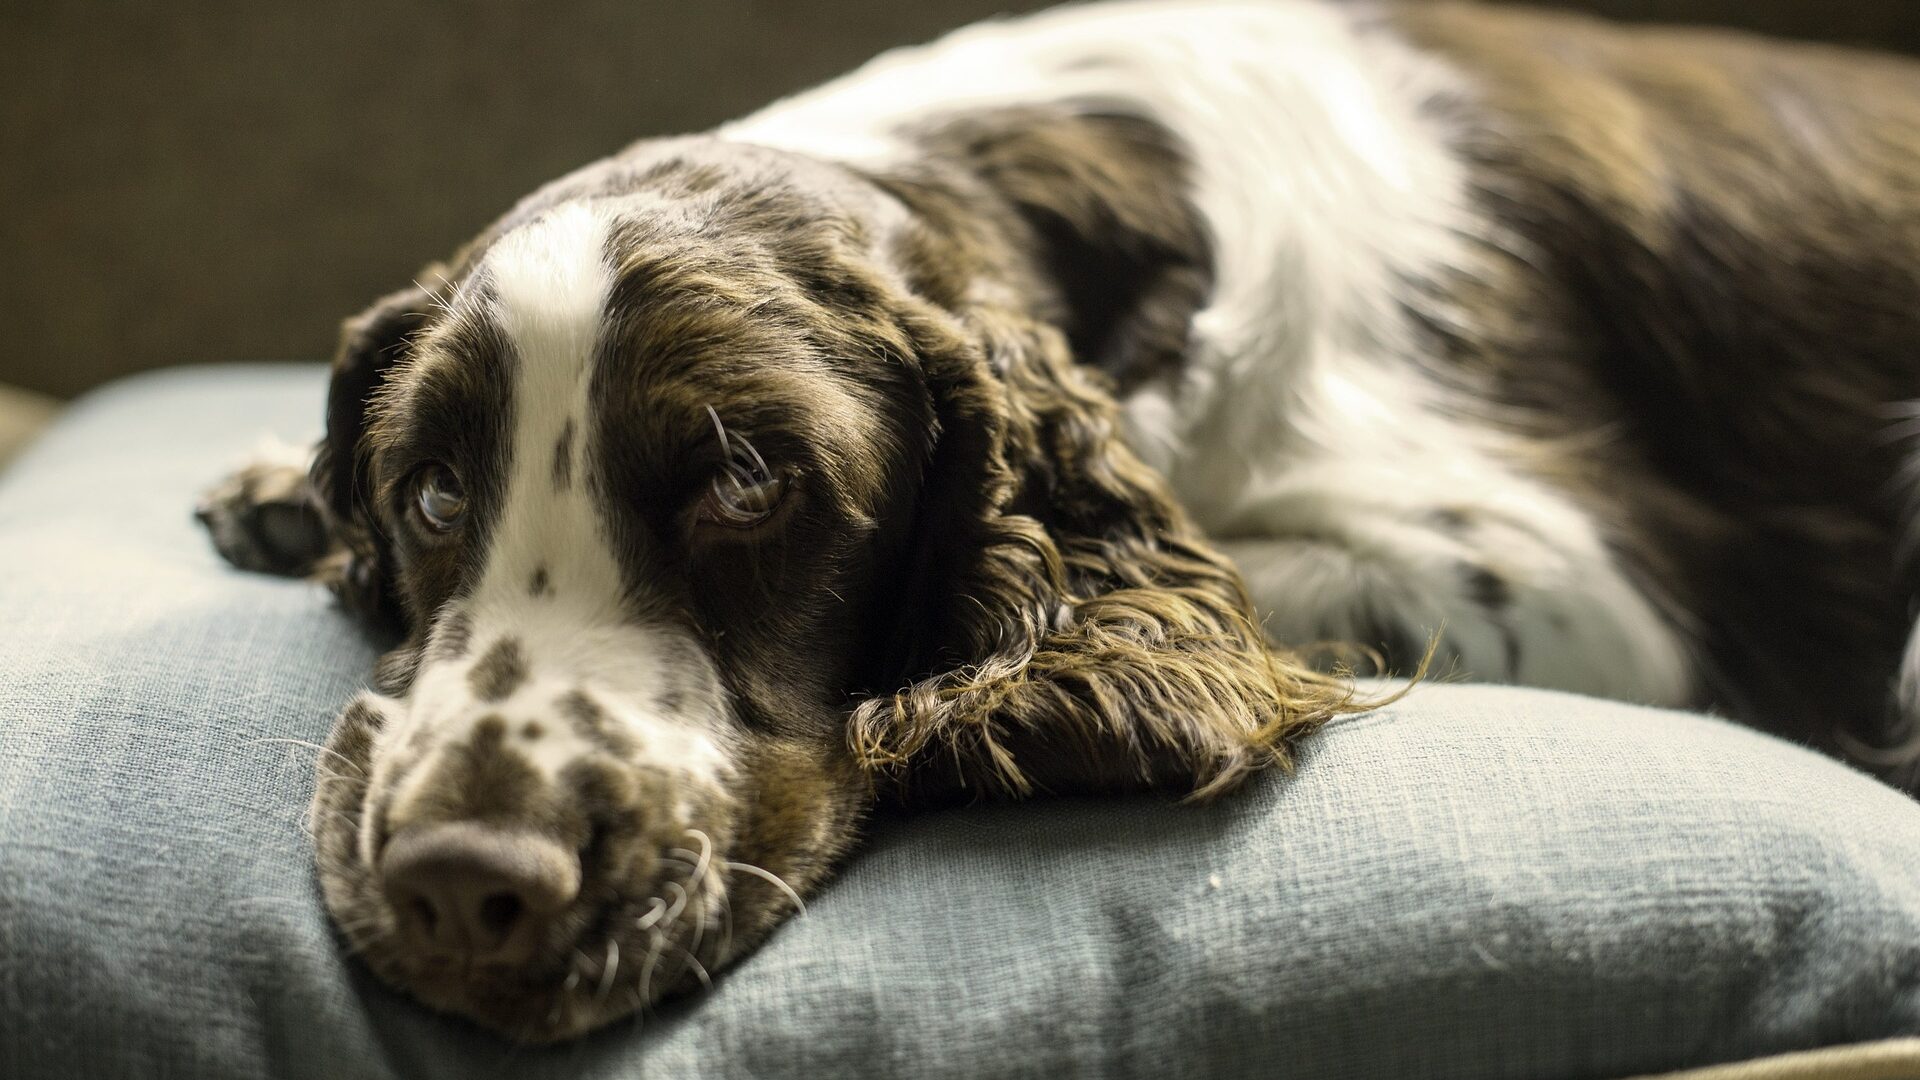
608	957
610	893
607	953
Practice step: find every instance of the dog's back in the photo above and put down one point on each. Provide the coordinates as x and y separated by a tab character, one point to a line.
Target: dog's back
1710	251
1628	312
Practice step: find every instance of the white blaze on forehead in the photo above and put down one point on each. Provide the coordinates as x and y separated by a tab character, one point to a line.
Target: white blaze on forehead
550	283
552	579
551	278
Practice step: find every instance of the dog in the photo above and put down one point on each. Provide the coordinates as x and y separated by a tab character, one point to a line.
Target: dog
1020	412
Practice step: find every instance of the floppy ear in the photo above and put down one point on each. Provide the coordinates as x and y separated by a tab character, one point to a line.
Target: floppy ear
371	343
1076	631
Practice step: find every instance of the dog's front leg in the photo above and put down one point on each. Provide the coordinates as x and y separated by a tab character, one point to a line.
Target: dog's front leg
1503	595
265	516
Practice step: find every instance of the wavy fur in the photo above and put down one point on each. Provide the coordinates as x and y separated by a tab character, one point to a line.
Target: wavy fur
1098	642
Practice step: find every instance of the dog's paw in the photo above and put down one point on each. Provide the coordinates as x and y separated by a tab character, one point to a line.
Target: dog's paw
263	518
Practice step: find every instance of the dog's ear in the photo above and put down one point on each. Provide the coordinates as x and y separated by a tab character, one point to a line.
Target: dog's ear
1066	627
371	344
1104	197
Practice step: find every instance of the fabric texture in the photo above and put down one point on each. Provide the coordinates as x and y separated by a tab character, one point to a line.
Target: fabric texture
1476	882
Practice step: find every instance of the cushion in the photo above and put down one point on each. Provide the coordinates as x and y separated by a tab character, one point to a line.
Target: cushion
1476	882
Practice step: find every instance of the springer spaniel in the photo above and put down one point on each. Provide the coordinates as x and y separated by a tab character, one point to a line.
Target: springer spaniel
975	424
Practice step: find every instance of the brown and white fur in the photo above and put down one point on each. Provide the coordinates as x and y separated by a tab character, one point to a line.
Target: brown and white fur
955	428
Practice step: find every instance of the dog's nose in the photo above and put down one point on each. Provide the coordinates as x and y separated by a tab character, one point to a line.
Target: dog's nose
475	889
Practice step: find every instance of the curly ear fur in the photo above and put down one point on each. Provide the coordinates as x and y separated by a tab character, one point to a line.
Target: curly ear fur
371	343
1084	636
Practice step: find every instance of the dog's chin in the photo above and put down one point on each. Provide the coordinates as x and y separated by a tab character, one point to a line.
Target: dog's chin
530	1010
572	990
511	1003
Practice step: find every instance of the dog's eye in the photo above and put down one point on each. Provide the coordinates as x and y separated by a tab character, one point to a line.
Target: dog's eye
740	499
746	491
438	494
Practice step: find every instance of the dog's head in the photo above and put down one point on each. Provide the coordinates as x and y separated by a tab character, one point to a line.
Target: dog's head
719	490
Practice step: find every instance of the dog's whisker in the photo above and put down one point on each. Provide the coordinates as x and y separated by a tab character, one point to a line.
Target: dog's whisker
608	971
726	924
325	814
759	463
658	941
679	901
699	969
567	988
700	927
706	853
328	751
726	450
770	878
653	915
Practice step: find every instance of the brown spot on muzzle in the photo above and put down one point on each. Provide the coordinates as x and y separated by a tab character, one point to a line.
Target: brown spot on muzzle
484	778
500	672
353	732
593	724
1488	589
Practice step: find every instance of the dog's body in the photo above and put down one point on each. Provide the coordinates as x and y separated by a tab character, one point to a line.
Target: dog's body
1583	347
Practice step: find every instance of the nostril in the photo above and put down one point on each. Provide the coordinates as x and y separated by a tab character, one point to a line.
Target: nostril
499	912
477	889
425	915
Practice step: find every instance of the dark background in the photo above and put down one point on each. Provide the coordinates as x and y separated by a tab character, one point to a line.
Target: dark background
226	180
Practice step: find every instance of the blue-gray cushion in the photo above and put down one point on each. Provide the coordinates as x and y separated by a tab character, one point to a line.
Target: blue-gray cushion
1474	883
